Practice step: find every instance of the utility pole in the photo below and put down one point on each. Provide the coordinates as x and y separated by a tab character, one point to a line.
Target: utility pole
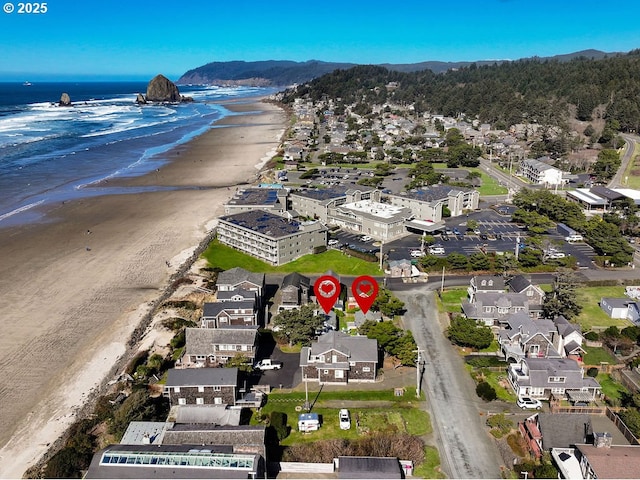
418	372
442	283
381	255
517	246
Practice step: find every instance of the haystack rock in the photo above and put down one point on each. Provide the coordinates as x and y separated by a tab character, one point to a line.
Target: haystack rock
65	100
161	89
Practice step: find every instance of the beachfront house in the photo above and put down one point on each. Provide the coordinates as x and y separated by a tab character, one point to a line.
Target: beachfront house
238	278
213	347
226	314
202	386
294	291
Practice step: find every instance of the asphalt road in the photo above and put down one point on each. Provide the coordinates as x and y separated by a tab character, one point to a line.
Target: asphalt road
466	447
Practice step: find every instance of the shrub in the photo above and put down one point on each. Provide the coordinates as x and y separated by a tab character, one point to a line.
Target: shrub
500	422
592	372
67	463
486	392
592	336
176	323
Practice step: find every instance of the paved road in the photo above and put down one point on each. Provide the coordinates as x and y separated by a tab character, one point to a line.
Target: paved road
618	180
466	447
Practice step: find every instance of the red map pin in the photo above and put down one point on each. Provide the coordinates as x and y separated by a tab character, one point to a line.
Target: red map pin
365	291
327	290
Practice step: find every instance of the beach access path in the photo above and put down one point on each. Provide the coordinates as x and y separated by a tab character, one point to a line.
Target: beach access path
75	286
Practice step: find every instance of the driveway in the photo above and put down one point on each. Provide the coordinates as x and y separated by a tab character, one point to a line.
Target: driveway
467	450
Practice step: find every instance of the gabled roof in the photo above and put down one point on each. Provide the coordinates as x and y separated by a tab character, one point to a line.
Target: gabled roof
358	348
201	341
488	282
213	309
227	295
617	461
296	280
194	377
519	283
565	328
212	434
235	276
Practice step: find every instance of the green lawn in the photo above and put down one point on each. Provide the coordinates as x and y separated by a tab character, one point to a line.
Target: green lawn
597	355
629	180
451	299
490	185
405	416
431	466
224	257
592	316
612	389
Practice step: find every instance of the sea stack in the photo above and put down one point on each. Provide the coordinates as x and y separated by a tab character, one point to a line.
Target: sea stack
161	89
65	100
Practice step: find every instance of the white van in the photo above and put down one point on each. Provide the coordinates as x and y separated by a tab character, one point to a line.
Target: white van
576	237
436	250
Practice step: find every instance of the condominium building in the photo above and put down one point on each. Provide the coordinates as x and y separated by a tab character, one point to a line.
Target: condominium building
316	203
540	173
269	237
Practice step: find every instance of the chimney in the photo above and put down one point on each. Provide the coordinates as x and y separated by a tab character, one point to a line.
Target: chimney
602	439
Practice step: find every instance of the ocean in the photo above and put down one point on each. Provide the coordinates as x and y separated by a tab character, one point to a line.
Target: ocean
50	153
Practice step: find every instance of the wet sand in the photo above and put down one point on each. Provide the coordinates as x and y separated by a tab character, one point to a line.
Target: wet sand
75	287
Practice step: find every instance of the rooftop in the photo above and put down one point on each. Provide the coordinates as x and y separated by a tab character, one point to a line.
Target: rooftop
256	196
376	209
265	223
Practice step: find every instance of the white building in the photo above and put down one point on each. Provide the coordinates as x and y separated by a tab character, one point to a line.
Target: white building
541	173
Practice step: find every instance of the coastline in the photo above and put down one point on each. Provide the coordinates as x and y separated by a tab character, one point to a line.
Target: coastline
76	288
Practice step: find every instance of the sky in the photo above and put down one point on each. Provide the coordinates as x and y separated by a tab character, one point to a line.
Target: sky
137	39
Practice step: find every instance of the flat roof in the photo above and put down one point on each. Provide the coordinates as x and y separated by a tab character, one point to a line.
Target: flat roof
255	196
265	223
586	196
375	209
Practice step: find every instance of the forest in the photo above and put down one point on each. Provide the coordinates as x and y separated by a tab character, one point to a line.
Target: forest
548	92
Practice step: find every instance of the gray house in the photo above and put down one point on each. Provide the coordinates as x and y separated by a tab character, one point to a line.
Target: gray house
212	347
237	277
338	358
202	386
226	314
294	291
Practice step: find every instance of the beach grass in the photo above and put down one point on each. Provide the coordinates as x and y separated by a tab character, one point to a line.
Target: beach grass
224	257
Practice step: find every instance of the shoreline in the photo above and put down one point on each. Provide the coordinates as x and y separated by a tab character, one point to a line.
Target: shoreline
79	286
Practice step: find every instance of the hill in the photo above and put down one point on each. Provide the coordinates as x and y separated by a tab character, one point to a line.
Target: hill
286	72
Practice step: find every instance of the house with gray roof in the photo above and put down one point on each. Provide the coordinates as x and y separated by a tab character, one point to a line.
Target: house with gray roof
521	284
493	308
400	268
202	386
485	284
271	238
544	431
339	359
227	314
237	295
242	438
369	467
545	377
212	347
294	291
239	278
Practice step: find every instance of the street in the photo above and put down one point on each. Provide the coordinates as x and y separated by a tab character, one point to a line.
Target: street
466	448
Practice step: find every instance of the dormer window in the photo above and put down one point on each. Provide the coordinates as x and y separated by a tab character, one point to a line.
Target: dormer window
491	283
483	283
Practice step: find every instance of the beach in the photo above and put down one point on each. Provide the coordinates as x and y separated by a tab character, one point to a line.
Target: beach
75	286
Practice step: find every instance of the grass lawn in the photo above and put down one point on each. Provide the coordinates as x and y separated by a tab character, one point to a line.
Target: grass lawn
612	389
224	257
490	185
498	380
592	316
404	416
630	180
597	355
431	466
451	299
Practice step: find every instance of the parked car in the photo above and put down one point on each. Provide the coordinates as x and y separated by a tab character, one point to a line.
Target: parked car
529	403
365	238
556	255
444	237
476	231
345	419
456	231
268	364
333	242
436	250
416	253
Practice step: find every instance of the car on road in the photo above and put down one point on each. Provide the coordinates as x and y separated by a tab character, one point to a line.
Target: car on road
345	419
529	403
365	238
416	253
